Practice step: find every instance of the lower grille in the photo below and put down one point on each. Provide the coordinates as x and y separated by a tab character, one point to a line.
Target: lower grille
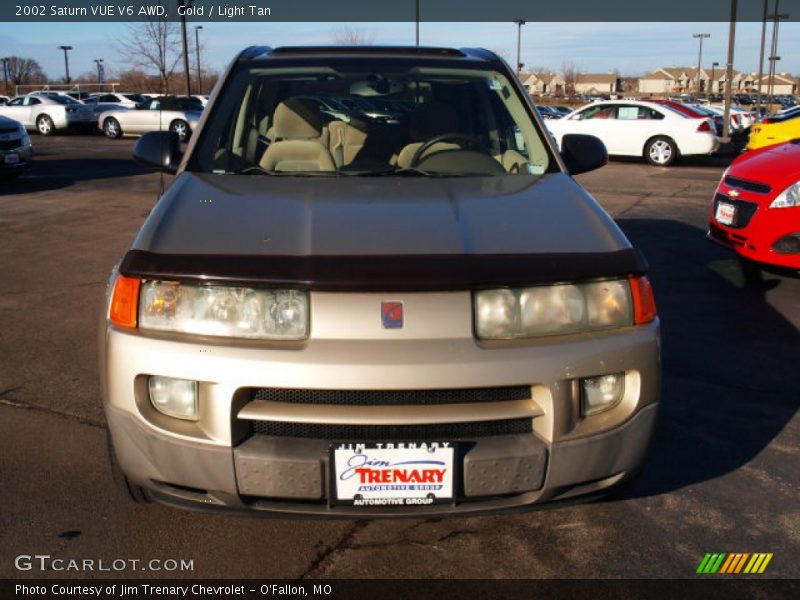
10	144
438	431
392	397
744	210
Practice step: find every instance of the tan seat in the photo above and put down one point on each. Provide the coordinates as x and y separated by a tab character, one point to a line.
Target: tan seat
428	121
297	133
346	140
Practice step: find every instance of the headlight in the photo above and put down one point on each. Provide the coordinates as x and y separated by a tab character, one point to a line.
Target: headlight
552	309
788	198
224	311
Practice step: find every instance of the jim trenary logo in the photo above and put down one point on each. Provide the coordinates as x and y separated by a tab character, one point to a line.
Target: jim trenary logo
734	563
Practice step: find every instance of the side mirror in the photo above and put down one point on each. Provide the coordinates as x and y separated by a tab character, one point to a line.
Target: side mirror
159	150
582	153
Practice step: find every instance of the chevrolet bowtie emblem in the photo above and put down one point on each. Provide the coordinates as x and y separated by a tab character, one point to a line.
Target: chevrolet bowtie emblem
733	193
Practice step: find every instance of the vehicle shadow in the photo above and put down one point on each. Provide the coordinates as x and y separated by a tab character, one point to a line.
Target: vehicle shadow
731	378
53	173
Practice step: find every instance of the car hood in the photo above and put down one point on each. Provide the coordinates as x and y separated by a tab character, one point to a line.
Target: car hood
778	166
228	214
225	226
6	123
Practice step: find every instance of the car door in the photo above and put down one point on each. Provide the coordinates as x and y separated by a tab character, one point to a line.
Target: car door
149	118
633	126
16	109
33	109
597	120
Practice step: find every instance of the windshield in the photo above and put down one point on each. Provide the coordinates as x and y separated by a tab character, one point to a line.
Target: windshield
345	120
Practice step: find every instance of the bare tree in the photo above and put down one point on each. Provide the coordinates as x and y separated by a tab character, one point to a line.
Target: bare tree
24	71
153	45
351	36
569	73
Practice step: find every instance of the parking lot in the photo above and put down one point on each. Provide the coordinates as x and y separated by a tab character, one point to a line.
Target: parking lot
722	475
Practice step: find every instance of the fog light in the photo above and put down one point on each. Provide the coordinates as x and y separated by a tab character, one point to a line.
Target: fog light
174	397
788	244
601	393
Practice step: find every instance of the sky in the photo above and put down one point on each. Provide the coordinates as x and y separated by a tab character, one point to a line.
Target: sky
632	48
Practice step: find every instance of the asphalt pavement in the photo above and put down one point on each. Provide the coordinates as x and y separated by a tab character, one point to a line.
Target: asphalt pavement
722	474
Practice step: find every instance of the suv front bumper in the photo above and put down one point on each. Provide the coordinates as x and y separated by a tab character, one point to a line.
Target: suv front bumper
219	463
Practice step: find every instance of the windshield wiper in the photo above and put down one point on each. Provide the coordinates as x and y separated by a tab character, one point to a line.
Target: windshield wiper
256	170
405	172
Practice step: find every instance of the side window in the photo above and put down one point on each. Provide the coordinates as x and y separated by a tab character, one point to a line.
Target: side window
654	114
16	102
630	113
154	104
31	101
597	112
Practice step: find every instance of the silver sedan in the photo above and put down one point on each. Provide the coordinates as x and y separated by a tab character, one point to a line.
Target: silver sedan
163	113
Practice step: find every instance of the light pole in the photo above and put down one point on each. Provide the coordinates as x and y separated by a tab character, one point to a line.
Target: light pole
417	22
187	4
5	62
726	118
66	58
714	65
761	59
197	29
702	36
519	23
774	58
98	62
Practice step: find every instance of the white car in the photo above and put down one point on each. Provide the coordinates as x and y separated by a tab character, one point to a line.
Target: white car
47	113
740	119
111	101
202	98
630	128
163	113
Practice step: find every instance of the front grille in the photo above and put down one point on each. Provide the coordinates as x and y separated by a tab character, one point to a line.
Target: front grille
750	186
392	397
355	433
726	237
744	210
10	144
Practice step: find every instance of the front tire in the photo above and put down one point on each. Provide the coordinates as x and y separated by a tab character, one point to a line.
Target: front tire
112	129
44	125
660	151
180	127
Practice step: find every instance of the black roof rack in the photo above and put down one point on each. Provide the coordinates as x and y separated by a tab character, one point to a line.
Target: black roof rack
397	50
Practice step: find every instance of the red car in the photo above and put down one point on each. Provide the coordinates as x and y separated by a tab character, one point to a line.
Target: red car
756	210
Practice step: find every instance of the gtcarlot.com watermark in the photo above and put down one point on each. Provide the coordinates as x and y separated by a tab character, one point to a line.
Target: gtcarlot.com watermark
45	562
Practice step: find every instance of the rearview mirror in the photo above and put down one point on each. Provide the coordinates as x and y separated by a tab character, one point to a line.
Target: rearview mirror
159	150
582	153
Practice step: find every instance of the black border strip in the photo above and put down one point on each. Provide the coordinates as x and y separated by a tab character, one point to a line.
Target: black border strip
407	272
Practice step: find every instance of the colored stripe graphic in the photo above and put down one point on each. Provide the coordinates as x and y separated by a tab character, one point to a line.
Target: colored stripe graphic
734	563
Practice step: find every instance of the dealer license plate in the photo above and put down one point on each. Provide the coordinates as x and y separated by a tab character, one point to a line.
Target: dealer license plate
392	473
726	213
11	159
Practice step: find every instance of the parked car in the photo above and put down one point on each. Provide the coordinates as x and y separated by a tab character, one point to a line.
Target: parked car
4	100
297	333
694	111
48	112
629	128
15	148
201	98
162	113
114	101
774	130
756	208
